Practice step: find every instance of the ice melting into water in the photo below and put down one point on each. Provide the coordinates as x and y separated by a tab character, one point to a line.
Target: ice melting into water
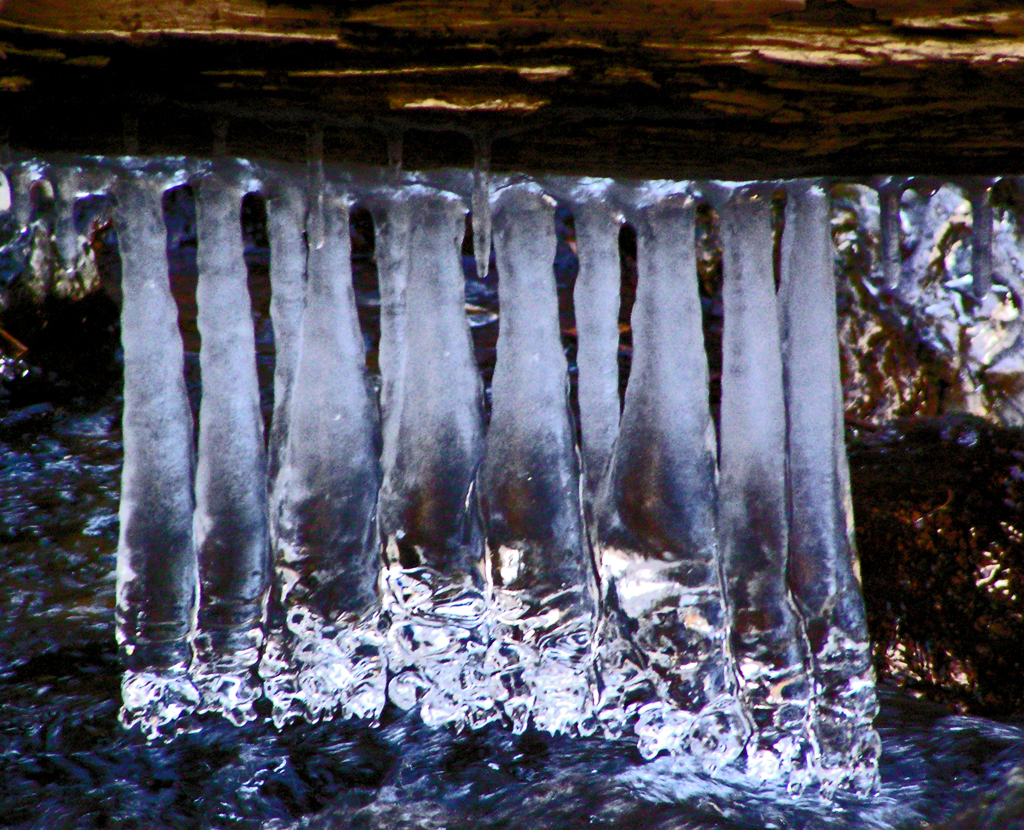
636	583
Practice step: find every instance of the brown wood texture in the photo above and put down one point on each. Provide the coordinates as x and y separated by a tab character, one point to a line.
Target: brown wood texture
673	88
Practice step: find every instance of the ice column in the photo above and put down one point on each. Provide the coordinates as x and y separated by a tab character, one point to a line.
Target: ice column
655	518
156	558
596	300
539	568
766	638
433	443
823	567
889	193
286	217
480	201
66	190
980	193
5	192
329	657
231	532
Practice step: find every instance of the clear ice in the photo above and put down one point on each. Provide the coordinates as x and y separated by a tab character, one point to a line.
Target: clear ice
707	600
596	302
654	518
766	639
823	567
157	574
480	205
980	193
231	531
438	634
539	569
889	193
286	218
324	654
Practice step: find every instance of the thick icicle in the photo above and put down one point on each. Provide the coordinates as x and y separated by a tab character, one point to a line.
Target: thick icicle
156	556
286	216
433	442
5	193
889	193
539	568
480	204
596	300
231	530
329	657
657	549
823	567
752	507
66	190
23	179
980	193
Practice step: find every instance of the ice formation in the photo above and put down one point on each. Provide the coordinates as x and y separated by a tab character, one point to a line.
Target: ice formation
596	301
438	632
157	573
324	654
654	517
822	566
633	578
539	567
230	522
767	641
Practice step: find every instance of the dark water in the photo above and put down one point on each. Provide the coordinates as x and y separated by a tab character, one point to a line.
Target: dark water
66	763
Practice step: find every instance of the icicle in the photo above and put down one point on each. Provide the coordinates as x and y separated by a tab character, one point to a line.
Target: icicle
156	557
980	193
596	300
231	490
655	518
433	442
24	178
823	567
286	216
889	193
65	235
317	186
752	497
481	203
330	656
5	193
540	571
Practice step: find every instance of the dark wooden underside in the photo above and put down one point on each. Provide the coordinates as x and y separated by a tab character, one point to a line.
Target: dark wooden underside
673	88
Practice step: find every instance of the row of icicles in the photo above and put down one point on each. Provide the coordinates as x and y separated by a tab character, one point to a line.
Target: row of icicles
388	547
